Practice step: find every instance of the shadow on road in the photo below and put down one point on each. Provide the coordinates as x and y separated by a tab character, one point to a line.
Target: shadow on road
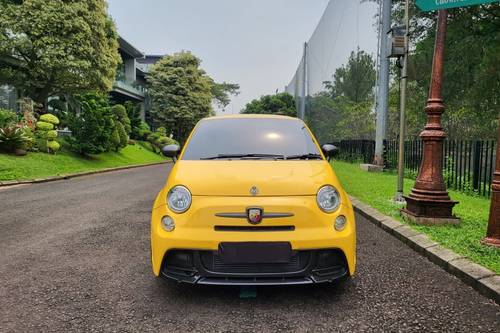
307	293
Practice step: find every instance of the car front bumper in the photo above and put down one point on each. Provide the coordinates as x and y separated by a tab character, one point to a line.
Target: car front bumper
208	268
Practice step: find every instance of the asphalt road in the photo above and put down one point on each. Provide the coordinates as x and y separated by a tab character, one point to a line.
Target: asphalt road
75	257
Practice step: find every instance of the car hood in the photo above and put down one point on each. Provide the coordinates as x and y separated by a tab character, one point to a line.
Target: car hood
236	178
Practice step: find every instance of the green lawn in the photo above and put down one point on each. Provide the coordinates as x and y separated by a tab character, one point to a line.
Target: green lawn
377	190
38	165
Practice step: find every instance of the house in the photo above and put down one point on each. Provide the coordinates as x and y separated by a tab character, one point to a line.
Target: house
130	83
8	97
149	60
8	94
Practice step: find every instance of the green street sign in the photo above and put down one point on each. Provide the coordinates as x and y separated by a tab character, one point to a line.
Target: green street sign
428	5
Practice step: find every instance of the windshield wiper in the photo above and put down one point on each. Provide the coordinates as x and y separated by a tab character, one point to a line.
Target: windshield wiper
243	156
304	157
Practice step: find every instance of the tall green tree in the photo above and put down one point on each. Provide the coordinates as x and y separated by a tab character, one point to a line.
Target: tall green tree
323	116
181	93
57	47
333	119
221	92
344	109
354	80
134	114
282	104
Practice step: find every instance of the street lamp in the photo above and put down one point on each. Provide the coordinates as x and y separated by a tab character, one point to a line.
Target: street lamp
493	233
428	201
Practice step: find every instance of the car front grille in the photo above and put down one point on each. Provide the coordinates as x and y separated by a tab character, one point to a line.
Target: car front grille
213	262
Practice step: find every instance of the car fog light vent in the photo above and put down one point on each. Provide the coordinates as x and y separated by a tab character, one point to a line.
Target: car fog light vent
340	223
168	223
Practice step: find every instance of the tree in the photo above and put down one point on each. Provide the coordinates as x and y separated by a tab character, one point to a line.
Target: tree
181	93
134	114
282	103
122	125
222	91
92	131
344	109
115	138
323	116
57	47
120	113
333	119
357	121
354	80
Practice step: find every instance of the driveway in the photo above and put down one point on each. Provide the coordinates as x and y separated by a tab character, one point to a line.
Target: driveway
75	257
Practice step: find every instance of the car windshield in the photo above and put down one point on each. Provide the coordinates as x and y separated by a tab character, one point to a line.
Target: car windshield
251	138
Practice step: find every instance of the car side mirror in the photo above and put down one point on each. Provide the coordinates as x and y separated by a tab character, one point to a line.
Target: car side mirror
171	151
329	150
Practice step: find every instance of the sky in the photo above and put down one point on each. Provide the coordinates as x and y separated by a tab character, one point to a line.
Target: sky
257	44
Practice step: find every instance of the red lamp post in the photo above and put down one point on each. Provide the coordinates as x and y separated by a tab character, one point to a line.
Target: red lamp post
493	233
429	202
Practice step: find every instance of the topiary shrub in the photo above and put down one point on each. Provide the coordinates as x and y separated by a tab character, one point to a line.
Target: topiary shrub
141	132
158	140
49	118
43	126
122	133
53	145
51	135
46	135
120	114
162	131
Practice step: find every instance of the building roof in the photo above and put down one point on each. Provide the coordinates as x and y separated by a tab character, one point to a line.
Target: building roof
150	59
129	49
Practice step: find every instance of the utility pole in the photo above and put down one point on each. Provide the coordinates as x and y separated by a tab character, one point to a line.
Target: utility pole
383	84
302	106
402	110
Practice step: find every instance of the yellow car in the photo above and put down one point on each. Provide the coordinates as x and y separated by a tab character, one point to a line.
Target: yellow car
252	200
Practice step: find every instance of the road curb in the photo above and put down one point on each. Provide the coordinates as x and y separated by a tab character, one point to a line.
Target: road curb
6	183
480	278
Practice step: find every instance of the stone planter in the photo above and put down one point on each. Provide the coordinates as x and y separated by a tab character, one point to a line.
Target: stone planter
20	152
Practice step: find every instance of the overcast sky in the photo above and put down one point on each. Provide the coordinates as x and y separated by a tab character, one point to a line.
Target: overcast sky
257	43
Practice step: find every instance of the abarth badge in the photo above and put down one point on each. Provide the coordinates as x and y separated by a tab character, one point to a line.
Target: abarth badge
254	215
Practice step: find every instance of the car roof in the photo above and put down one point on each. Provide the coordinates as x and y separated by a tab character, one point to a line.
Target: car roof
251	116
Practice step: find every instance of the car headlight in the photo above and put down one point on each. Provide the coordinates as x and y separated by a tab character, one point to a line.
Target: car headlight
328	199
179	199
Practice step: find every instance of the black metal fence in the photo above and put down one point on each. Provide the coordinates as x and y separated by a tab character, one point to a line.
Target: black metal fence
468	166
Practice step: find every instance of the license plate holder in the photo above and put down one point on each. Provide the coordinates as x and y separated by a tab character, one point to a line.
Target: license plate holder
255	252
